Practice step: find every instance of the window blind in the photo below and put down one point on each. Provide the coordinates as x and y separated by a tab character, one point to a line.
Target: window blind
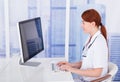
114	50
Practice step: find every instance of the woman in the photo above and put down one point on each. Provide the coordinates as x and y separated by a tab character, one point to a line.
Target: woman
94	61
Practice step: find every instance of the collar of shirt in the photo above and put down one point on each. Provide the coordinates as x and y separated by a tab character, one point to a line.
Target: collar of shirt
94	37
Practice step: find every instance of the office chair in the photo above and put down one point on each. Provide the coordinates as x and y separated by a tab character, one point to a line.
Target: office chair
113	68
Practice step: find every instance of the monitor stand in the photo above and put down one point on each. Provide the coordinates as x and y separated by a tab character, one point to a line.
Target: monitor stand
30	63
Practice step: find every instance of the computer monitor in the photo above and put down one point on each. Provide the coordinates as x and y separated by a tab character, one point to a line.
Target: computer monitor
31	38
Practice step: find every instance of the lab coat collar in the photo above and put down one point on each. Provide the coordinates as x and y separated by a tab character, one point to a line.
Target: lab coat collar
95	35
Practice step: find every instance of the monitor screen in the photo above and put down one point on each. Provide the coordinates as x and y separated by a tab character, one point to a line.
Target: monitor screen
31	38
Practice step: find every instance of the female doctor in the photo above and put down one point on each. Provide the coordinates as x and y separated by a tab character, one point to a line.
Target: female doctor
94	61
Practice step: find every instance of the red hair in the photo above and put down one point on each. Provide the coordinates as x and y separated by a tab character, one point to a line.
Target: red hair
92	15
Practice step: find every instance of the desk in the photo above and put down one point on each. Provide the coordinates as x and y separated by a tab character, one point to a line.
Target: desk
14	72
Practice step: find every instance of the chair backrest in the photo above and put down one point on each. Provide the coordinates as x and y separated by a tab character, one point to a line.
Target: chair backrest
113	68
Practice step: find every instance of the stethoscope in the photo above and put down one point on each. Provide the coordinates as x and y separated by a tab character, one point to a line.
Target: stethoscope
85	48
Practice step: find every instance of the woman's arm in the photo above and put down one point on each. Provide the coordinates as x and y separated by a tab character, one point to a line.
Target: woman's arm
74	65
94	72
77	64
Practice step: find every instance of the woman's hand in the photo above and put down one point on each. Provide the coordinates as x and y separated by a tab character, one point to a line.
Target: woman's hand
59	64
65	68
64	65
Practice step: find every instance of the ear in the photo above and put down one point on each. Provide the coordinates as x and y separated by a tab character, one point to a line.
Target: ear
93	23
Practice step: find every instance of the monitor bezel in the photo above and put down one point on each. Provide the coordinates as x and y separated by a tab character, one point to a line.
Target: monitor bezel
23	60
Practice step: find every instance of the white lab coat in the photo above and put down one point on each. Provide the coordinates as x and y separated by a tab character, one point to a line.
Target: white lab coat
95	55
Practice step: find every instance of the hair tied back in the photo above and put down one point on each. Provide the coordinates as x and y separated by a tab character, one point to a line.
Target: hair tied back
101	24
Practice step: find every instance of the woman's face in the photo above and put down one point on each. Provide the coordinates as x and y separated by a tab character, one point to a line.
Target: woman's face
87	26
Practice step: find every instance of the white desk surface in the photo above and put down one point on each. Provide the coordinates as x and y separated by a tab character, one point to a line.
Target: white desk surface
14	72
